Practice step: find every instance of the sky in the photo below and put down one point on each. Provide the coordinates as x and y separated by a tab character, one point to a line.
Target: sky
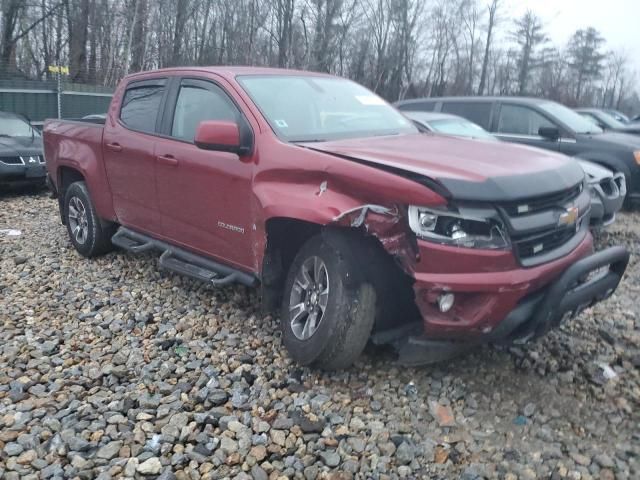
617	20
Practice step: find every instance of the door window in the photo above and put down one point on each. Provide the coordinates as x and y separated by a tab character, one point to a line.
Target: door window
518	120
478	112
140	107
197	103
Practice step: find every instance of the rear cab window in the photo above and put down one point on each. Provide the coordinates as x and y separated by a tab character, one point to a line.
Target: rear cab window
477	112
141	105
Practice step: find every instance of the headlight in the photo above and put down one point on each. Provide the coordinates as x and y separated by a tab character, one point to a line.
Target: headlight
636	155
451	228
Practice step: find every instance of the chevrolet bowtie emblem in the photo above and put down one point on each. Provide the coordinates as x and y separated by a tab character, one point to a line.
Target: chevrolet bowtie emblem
569	218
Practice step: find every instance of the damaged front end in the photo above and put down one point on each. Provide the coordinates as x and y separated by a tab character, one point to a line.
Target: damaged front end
465	286
388	225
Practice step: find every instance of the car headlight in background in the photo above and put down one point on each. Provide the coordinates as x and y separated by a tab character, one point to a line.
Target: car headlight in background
450	228
636	155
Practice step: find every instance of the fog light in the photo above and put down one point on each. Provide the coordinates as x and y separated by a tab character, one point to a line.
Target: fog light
445	302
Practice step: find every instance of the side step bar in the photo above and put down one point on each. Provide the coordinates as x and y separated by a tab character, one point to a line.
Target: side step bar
181	261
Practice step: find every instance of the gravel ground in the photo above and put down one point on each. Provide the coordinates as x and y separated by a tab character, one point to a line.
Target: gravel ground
110	368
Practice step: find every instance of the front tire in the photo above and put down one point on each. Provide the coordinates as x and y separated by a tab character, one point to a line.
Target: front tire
88	234
328	310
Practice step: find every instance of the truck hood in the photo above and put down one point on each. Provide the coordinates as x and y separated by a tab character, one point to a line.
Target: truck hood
20	146
465	169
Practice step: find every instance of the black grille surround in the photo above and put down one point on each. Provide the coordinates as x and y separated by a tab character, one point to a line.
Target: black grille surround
533	205
538	227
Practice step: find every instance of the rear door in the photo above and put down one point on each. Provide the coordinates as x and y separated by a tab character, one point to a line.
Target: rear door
204	196
129	154
521	123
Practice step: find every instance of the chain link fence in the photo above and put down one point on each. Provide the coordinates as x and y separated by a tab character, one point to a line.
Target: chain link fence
38	100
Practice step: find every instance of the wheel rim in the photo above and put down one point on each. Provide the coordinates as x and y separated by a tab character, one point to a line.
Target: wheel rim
78	222
309	297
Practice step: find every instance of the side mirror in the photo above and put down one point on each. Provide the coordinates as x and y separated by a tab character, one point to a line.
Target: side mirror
549	133
221	136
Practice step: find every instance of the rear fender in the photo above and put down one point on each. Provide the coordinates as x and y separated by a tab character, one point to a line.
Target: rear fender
78	145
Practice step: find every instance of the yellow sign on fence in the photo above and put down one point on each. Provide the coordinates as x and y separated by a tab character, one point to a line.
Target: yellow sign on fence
59	69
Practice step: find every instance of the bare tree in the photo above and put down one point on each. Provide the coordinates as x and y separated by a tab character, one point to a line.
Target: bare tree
585	57
529	35
491	24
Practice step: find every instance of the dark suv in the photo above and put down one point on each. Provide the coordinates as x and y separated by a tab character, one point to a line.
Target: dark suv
544	124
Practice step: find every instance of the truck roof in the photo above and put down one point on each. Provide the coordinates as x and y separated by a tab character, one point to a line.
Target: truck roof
229	72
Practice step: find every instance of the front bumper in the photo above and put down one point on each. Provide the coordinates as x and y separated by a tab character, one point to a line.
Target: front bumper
25	172
607	197
497	303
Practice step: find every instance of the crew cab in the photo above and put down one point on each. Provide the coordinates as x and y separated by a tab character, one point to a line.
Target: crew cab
544	124
352	222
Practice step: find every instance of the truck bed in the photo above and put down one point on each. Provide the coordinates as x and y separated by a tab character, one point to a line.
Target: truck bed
77	144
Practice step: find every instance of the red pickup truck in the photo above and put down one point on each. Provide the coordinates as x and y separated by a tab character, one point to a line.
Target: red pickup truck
359	227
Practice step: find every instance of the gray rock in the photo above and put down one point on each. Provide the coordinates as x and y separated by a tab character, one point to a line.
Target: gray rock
109	451
13	449
330	459
258	473
151	466
529	409
405	453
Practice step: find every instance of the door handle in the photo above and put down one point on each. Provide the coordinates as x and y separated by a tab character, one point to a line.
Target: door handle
116	147
168	160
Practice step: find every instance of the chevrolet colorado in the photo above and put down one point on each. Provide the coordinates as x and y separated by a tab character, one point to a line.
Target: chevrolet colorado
354	223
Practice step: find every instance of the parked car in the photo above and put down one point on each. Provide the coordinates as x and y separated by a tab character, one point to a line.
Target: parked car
544	124
21	158
356	224
607	122
607	188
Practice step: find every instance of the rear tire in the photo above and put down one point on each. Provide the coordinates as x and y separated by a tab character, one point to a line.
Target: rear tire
88	233
328	310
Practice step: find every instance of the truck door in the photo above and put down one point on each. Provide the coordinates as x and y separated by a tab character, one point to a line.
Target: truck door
129	155
204	196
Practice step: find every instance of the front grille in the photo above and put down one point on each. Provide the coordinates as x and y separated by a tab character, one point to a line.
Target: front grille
11	160
533	205
542	243
535	225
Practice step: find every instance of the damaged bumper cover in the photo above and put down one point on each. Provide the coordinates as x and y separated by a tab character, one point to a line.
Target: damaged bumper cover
586	282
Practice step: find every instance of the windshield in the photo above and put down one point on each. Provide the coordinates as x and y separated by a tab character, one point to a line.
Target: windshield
460	128
571	119
16	127
316	109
